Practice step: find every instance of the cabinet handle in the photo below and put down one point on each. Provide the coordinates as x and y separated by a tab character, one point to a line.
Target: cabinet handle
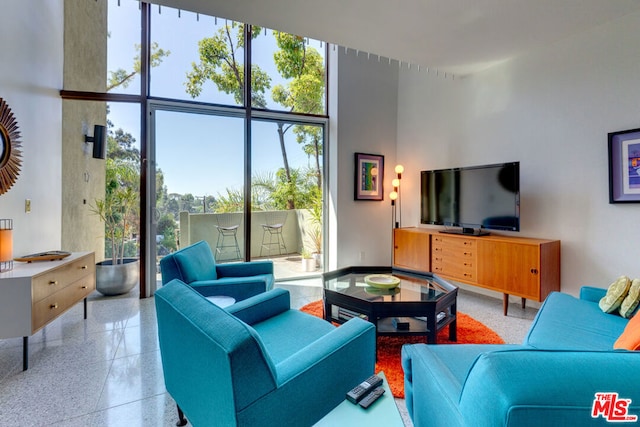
53	282
534	271
53	306
84	286
84	267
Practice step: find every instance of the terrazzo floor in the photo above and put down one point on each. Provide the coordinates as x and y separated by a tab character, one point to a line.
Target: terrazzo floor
106	370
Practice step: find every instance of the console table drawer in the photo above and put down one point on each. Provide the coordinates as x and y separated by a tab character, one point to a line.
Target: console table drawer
52	281
53	305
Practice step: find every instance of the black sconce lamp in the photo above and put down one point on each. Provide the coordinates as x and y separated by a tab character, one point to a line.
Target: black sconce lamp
99	140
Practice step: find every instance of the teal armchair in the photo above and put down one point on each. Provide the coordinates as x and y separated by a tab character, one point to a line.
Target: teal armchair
258	362
196	266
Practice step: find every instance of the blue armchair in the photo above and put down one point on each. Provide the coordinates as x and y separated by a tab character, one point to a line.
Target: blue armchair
196	266
257	362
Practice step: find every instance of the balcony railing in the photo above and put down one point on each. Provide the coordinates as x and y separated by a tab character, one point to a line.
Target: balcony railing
297	234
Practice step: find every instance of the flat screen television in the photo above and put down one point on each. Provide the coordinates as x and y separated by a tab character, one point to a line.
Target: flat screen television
472	198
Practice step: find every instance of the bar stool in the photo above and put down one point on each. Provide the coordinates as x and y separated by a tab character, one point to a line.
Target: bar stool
227	225
272	232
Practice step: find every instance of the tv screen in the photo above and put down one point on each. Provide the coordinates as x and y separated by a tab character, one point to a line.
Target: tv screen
472	197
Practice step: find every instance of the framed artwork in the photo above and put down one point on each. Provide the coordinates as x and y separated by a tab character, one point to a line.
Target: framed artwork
369	177
624	166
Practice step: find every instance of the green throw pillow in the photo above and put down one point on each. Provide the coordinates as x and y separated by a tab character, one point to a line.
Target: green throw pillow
632	299
615	294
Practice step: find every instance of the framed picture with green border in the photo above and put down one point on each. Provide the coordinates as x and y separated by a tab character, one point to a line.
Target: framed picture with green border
369	177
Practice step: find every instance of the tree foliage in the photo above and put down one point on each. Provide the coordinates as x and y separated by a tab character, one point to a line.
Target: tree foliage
124	78
221	62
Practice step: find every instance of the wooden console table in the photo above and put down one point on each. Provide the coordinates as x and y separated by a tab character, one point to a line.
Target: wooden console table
34	294
520	266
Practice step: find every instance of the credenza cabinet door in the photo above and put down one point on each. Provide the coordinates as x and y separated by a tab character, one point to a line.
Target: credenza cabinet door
411	248
512	268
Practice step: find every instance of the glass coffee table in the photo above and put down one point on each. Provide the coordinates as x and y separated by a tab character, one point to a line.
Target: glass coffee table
421	304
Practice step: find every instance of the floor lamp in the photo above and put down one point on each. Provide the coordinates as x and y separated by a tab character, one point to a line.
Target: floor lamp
396	187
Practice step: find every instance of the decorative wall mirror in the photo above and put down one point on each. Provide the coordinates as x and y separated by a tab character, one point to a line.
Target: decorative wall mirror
10	152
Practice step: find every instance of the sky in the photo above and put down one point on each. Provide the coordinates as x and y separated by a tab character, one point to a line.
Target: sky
198	154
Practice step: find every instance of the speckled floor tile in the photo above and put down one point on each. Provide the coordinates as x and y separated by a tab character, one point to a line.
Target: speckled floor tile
107	370
132	378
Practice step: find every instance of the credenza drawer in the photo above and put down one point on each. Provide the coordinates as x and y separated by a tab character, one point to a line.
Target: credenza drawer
55	304
52	281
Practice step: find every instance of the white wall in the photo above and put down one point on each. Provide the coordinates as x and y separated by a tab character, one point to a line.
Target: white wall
365	118
551	110
30	80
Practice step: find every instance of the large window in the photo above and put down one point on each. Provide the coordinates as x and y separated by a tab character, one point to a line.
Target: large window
200	134
123	47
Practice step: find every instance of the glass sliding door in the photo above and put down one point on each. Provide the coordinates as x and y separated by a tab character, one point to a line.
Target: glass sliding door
197	183
287	196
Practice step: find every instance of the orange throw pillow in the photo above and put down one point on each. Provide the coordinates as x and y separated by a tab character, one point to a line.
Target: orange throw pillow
630	338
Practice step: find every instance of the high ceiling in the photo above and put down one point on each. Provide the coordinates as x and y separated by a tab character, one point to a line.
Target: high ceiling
455	36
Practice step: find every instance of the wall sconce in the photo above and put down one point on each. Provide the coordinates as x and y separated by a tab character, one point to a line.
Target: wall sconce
6	245
99	140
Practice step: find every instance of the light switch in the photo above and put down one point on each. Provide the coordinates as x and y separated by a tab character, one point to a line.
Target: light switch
27	205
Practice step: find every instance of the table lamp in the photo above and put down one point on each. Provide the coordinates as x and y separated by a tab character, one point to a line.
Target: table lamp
6	244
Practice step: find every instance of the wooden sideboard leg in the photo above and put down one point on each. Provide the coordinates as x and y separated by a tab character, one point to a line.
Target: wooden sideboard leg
85	308
524	303
505	303
25	353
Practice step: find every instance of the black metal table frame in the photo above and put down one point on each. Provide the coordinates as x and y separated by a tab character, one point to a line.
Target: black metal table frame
377	311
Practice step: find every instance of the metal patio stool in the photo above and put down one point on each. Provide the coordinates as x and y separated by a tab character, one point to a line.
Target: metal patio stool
227	225
272	232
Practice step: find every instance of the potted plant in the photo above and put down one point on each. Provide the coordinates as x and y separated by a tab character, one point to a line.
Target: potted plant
315	231
119	211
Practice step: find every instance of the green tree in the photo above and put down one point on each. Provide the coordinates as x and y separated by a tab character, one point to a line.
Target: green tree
119	208
122	77
221	61
301	65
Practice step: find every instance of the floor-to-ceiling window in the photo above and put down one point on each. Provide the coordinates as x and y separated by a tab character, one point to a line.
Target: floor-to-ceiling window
216	168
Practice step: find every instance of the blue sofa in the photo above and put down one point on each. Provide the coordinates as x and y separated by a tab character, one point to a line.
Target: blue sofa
550	380
196	266
257	362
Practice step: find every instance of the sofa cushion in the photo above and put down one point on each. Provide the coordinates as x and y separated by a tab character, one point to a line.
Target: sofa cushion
631	300
197	262
630	337
567	323
616	293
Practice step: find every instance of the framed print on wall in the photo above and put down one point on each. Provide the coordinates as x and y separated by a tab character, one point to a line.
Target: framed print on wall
624	166
369	177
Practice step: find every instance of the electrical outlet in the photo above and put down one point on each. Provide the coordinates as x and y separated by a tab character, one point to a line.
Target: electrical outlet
27	205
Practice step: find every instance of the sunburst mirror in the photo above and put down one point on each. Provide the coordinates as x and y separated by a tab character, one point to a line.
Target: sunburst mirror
10	152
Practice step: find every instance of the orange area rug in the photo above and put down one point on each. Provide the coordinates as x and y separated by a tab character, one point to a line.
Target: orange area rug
469	331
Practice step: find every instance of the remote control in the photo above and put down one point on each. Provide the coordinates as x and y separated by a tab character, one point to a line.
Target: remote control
371	397
361	390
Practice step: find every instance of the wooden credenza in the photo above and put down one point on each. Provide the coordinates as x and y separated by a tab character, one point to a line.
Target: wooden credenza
33	294
524	267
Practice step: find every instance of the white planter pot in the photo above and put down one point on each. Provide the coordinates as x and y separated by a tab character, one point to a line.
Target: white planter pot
308	264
